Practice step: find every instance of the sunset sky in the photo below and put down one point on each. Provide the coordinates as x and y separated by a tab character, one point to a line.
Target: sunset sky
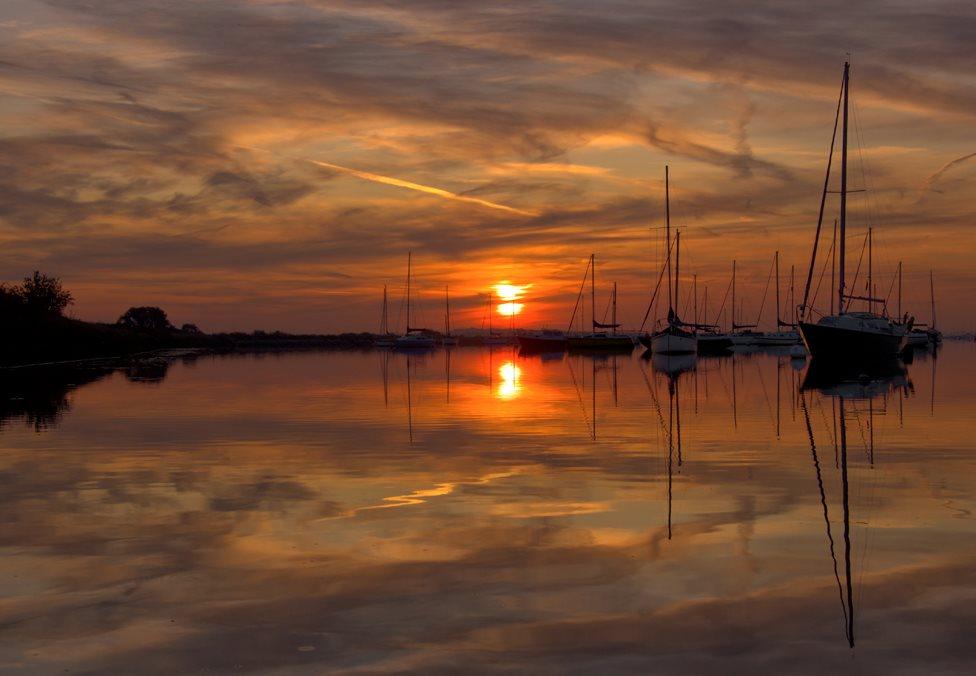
268	165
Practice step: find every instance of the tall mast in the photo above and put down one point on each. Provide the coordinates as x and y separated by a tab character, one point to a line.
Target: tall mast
694	293
384	327
677	266
490	310
705	306
733	294
776	259
833	265
843	191
667	231
613	319
932	292
870	273
792	298
593	292
447	313
409	255
900	315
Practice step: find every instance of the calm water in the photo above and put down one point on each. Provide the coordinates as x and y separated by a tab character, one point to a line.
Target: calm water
482	511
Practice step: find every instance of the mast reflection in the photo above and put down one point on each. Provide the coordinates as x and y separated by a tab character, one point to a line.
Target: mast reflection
845	387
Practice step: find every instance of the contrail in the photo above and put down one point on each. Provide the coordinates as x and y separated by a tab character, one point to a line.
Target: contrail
930	181
400	183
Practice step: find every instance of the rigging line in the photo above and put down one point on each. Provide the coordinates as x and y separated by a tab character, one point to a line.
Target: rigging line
718	315
823	272
823	199
579	296
769	404
823	503
657	287
654	400
762	304
579	396
857	271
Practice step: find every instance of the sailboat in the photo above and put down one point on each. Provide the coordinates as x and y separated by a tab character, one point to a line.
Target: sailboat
846	335
780	337
673	338
599	338
918	337
414	339
447	339
493	338
386	338
935	336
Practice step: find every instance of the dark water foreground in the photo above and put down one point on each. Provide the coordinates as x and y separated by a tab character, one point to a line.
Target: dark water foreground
478	511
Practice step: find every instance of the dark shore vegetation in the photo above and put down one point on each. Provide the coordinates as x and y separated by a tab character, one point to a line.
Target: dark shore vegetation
34	330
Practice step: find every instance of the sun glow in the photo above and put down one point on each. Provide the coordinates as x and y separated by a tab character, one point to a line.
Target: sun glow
511	385
510	294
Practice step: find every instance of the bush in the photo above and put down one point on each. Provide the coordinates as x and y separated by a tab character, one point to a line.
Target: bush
147	318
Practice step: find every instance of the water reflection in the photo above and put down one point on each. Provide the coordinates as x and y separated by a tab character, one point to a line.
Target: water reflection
483	510
510	385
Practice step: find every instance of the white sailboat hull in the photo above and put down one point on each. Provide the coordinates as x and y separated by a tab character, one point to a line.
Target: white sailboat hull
669	343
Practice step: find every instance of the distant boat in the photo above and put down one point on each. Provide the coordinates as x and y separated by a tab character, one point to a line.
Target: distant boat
542	341
387	338
935	336
847	335
780	337
447	340
414	339
674	338
599	338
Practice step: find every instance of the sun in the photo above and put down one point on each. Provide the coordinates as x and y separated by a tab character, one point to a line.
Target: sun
510	294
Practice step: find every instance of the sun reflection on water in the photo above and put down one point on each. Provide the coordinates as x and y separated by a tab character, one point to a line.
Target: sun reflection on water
511	380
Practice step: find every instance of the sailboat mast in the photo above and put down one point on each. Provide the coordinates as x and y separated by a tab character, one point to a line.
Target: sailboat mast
705	306
900	315
490	309
447	312
694	293
593	292
667	230
932	293
833	265
733	294
613	319
677	266
409	255
792	298
870	272
384	327
776	259
843	190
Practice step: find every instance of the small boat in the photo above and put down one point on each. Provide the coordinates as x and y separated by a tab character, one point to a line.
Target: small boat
713	342
447	340
542	341
917	338
415	338
386	337
597	339
785	334
848	336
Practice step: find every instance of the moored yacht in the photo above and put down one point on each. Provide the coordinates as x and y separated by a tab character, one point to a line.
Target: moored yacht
414	339
675	337
847	335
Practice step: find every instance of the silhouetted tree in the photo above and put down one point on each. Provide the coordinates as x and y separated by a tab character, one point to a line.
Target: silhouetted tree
41	294
191	328
11	301
146	317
